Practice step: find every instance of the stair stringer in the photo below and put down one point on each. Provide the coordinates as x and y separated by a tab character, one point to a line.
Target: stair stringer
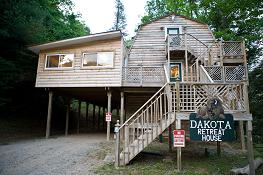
135	148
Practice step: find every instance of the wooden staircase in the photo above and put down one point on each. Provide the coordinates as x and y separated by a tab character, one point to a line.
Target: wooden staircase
146	124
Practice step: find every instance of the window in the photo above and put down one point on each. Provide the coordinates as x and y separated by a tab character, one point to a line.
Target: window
173	31
59	61
100	59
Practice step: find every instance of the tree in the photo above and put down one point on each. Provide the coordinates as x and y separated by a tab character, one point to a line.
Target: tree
23	23
231	20
120	18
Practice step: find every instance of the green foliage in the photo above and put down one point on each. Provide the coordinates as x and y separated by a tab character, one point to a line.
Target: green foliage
256	99
120	17
231	20
27	22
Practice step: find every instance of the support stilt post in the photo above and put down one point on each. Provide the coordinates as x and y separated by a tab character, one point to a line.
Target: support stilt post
93	116
122	112
87	113
117	144
49	111
242	137
99	119
109	110
250	148
79	113
179	151
67	117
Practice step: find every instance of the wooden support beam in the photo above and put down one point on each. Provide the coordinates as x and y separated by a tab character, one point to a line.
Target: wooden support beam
109	110
122	109
87	111
99	119
78	118
250	148
67	117
49	112
179	151
103	123
186	59
93	117
242	137
170	135
218	148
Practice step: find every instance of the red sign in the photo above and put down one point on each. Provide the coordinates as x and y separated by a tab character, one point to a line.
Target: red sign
179	138
108	117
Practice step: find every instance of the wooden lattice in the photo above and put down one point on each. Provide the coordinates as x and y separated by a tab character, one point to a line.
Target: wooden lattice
143	74
232	48
195	96
215	72
176	40
235	73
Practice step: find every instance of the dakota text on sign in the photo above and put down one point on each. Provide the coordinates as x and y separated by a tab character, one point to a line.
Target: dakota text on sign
211	130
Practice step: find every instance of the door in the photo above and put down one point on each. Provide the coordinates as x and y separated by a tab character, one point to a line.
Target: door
175	39
175	72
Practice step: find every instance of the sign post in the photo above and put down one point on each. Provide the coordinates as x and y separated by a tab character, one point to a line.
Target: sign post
108	120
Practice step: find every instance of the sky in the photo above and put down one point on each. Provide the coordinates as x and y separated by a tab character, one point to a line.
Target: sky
98	15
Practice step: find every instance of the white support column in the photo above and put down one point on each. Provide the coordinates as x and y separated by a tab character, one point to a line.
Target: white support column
49	114
109	110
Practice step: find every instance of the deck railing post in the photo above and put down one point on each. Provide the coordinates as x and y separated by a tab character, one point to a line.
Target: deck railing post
117	146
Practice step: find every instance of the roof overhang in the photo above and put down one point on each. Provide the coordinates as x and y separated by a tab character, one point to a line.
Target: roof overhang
77	40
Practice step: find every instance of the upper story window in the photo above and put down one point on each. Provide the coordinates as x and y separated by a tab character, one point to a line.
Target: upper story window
100	59
173	31
59	61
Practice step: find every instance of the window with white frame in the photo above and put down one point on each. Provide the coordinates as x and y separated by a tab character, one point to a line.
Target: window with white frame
59	60
100	59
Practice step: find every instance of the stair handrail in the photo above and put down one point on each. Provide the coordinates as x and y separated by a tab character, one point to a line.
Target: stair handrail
205	74
165	66
134	114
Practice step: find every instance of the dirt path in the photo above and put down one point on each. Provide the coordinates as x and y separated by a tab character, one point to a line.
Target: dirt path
62	155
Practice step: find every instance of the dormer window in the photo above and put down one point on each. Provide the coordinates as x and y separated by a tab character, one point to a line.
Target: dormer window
54	61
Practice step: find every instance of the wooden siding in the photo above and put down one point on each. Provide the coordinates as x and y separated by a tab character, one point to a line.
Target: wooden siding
83	77
149	44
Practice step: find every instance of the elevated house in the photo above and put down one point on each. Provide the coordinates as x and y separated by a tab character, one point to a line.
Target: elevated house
173	67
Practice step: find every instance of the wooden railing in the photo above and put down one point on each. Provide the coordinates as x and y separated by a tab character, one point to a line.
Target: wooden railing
227	73
204	76
232	48
140	75
145	125
194	96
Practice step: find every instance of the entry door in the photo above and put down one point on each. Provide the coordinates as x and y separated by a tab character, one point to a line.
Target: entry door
175	72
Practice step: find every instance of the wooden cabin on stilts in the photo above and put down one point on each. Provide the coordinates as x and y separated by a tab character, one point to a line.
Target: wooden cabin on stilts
173	67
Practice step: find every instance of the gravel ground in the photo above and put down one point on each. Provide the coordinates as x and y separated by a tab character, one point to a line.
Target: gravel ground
63	155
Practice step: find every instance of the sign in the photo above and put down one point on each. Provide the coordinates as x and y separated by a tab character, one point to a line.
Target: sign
179	138
211	130
108	116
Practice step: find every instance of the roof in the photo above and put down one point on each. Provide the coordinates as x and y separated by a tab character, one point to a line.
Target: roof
77	40
170	14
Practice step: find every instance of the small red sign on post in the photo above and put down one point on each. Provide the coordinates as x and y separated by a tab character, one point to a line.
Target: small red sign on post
179	138
108	117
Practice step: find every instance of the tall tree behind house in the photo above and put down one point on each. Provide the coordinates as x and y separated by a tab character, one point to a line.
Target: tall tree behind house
23	23
120	17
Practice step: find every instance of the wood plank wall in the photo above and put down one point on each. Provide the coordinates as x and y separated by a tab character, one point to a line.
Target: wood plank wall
83	77
149	44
